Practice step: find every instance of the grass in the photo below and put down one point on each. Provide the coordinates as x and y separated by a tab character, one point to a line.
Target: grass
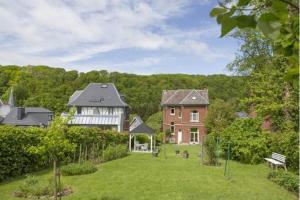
142	177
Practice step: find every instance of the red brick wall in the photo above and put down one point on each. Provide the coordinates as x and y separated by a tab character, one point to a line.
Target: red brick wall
184	123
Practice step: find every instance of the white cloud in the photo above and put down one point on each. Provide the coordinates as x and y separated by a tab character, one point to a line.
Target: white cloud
57	32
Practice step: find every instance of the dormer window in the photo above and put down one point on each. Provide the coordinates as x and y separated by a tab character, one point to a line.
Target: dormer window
172	111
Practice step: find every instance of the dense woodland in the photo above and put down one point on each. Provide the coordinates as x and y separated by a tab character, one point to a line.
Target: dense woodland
51	87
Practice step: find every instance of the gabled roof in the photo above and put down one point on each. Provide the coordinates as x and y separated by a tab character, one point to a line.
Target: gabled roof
97	94
34	116
138	126
184	97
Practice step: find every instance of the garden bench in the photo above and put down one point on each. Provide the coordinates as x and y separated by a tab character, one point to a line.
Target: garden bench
155	152
277	160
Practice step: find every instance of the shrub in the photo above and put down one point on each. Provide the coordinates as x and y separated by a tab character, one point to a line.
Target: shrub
32	187
287	180
78	169
248	143
287	143
210	146
15	158
115	152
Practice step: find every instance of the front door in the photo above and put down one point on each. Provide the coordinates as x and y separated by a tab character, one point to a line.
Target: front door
179	137
194	136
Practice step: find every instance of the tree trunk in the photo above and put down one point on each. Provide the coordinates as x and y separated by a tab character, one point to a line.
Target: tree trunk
55	180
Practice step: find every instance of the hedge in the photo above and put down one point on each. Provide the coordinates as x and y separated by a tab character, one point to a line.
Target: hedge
14	143
250	144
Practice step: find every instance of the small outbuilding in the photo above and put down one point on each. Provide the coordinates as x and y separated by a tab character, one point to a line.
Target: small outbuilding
138	127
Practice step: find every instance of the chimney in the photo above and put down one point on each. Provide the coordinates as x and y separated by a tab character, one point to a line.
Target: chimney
20	113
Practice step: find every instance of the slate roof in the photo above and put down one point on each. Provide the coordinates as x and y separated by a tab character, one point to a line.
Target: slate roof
138	126
184	97
97	94
34	116
94	119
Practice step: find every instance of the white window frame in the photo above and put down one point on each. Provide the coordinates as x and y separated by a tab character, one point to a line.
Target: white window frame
194	132
180	114
194	116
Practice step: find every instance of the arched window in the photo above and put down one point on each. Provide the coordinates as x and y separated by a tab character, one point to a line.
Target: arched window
194	116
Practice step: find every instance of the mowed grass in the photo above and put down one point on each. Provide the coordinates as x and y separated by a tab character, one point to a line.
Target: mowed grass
143	177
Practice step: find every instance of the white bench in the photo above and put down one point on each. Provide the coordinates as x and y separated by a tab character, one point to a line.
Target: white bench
277	160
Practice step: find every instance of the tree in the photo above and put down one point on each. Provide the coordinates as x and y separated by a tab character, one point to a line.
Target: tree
220	114
269	92
55	145
155	121
278	20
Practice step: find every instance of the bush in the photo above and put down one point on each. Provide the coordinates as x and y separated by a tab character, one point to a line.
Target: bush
78	169
15	158
210	146
32	187
287	144
115	152
248	143
287	180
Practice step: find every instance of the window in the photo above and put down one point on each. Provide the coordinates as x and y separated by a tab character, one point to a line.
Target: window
110	111
194	116
180	114
194	135
78	110
172	110
96	111
50	117
172	127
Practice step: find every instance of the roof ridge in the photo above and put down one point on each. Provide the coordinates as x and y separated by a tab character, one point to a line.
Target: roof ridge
171	96
186	96
206	100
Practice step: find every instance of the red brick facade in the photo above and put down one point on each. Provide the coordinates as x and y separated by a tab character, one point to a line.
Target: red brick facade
186	131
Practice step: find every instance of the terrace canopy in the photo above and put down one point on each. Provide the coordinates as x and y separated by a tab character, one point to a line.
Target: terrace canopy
138	127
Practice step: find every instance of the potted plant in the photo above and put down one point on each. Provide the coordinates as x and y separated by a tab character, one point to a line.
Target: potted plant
185	154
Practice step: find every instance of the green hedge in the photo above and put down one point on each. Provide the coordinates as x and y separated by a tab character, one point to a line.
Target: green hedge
287	180
14	143
250	144
14	157
115	152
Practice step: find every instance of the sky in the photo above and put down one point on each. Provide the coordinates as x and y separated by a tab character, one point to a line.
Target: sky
132	36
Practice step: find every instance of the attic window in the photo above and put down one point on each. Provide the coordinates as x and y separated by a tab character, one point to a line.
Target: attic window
194	98
104	85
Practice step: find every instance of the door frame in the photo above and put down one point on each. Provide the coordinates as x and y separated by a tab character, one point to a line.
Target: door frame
179	133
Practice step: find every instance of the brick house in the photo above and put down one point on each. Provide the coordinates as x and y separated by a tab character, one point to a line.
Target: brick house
184	112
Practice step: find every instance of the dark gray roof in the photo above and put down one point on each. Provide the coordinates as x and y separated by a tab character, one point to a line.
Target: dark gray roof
184	97
34	116
138	126
97	94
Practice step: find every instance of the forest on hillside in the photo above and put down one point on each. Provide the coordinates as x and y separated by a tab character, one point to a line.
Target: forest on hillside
51	87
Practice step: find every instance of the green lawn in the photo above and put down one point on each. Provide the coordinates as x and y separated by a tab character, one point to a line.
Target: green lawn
140	176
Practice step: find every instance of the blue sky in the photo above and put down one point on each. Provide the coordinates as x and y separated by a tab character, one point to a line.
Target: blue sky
133	36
